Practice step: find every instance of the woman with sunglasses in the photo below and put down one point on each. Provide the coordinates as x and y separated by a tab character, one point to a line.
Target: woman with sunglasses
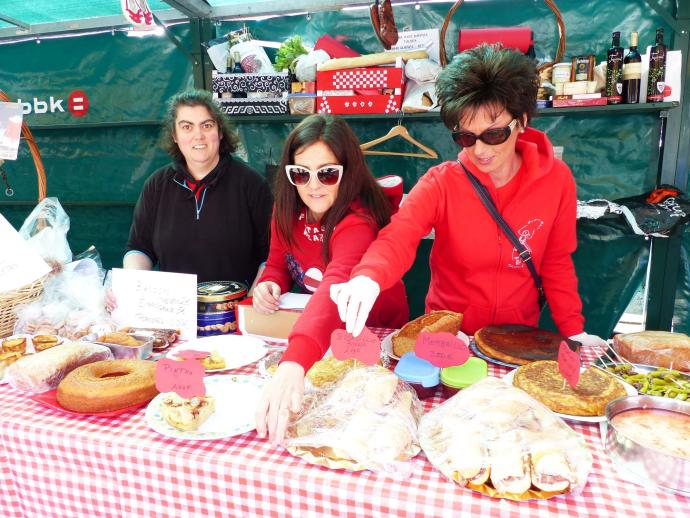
488	97
328	210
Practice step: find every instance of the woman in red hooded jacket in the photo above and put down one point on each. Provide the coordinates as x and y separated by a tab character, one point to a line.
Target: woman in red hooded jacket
328	210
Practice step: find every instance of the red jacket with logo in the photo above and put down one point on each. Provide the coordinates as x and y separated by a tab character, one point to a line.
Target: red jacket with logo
475	270
303	266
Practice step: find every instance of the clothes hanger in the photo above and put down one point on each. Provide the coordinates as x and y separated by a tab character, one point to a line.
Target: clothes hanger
395	131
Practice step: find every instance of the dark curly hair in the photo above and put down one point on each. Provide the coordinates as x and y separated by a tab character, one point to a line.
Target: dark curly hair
488	76
357	181
229	140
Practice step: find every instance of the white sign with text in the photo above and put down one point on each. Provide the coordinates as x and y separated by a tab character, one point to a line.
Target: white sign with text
155	299
19	263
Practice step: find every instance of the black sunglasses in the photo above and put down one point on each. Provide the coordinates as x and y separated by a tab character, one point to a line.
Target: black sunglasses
493	136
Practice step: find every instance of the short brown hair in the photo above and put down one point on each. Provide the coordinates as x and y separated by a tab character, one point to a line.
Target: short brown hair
357	181
229	140
488	76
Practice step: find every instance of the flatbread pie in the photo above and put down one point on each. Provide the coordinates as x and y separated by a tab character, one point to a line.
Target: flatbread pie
543	381
519	344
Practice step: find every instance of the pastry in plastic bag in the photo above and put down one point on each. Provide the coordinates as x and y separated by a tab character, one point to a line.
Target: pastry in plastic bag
496	439
368	420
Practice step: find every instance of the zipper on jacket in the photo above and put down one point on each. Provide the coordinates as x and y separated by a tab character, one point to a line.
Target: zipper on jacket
196	203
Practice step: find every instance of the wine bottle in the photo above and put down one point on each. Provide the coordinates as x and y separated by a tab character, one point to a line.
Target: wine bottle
614	70
657	69
632	72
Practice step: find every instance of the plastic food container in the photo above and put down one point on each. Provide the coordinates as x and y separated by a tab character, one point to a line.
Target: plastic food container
216	301
420	374
462	376
125	352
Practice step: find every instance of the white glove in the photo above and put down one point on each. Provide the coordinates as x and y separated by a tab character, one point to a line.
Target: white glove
589	340
355	299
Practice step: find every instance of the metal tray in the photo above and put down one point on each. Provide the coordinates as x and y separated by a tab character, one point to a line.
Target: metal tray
668	472
123	352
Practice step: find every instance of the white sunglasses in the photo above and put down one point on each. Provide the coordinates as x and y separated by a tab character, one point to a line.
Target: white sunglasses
327	175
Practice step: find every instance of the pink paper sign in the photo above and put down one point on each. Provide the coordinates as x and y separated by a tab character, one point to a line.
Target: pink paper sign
441	349
186	378
366	347
569	364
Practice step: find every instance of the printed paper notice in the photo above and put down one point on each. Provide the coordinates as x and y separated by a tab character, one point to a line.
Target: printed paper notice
10	130
155	299
19	263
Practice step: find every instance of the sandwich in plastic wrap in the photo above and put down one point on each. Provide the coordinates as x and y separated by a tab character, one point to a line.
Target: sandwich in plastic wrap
368	420
496	439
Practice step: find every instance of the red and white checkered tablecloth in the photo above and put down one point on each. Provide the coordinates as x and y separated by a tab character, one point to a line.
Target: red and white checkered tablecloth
53	464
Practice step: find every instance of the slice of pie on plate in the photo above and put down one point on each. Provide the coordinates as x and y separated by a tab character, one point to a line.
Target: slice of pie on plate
187	414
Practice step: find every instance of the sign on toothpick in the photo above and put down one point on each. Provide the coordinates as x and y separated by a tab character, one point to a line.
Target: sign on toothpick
569	364
441	349
186	377
19	263
155	299
366	347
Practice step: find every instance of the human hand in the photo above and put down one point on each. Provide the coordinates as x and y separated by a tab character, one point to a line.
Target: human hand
588	340
110	300
282	395
266	296
355	299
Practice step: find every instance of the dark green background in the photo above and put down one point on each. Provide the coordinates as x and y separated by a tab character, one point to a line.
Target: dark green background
96	165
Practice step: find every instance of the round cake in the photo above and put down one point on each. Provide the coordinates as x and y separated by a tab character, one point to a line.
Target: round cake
108	385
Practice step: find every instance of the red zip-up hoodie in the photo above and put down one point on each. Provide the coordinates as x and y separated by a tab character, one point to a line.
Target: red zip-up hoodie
304	266
475	270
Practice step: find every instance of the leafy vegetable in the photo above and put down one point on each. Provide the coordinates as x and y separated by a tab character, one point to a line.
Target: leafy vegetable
290	50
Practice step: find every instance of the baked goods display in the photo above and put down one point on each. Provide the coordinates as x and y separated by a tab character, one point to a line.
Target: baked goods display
104	386
119	338
543	381
657	348
519	344
162	338
368	420
187	414
43	342
14	345
495	439
435	322
330	370
41	372
214	361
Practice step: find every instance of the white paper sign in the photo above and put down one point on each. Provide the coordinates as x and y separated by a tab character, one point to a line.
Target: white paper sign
427	39
19	263
155	299
10	130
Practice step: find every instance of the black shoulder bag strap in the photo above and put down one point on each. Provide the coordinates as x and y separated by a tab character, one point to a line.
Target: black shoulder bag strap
525	254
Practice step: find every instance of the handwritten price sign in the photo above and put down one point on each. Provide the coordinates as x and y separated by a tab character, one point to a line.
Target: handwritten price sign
441	349
185	377
569	364
366	347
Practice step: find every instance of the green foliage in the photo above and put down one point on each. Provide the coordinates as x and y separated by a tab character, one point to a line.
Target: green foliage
290	50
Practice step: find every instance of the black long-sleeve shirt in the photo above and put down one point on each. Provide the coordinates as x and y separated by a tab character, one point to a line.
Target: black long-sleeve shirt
221	234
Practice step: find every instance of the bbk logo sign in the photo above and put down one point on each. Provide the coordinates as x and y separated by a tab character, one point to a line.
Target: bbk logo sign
77	104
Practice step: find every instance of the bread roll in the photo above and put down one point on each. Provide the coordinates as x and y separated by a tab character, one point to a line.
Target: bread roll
43	371
435	322
658	348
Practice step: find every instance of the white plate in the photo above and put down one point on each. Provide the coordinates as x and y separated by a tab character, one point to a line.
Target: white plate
236	400
631	391
387	343
236	350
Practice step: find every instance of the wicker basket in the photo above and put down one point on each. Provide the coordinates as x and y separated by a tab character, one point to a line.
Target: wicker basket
11	299
552	5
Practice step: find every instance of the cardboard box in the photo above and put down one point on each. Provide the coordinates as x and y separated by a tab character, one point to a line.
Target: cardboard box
250	83
255	106
275	327
367	84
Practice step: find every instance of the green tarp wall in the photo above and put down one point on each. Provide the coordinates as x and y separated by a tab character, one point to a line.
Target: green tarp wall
97	164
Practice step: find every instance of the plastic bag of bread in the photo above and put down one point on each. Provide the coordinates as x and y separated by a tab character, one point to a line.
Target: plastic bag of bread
368	420
44	371
657	348
495	439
